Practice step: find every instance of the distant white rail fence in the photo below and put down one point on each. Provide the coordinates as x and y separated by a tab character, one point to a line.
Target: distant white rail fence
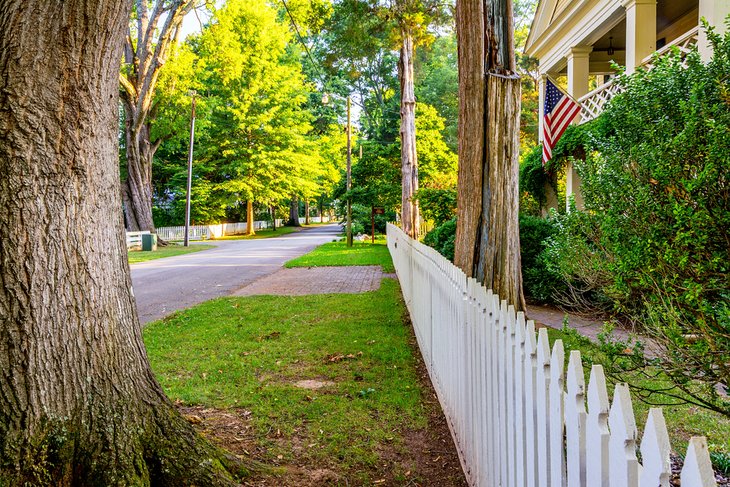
134	239
517	418
205	232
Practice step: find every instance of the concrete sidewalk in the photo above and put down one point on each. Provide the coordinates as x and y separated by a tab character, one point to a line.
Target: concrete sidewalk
553	318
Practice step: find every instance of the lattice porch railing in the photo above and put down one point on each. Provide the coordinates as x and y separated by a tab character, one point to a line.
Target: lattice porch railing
594	102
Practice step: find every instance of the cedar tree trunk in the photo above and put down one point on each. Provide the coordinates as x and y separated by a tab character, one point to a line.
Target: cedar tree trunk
306	212
487	243
273	217
409	159
79	404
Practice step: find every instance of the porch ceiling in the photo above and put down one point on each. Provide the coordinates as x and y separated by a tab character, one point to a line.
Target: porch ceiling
603	25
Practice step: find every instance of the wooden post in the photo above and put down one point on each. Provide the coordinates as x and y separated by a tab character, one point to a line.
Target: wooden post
372	221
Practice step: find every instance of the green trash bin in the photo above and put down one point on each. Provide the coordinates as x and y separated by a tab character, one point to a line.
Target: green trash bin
149	241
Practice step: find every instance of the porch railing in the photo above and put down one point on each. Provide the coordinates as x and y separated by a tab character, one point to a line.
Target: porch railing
594	102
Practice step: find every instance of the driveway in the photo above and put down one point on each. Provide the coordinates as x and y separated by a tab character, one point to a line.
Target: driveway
165	285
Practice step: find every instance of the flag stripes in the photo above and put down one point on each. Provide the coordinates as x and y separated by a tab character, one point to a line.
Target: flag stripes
560	110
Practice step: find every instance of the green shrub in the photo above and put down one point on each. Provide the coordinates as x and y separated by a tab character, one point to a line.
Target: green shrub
534	177
437	205
442	238
653	239
362	223
540	283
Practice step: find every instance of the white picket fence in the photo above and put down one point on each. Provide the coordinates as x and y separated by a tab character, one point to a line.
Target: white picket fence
518	418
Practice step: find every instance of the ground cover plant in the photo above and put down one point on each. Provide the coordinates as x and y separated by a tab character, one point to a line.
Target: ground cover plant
324	383
338	254
170	250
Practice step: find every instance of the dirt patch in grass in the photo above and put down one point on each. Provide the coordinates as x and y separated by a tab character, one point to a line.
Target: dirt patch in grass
229	428
422	457
312	384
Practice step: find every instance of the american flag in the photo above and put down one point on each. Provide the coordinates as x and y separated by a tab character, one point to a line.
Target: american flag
560	110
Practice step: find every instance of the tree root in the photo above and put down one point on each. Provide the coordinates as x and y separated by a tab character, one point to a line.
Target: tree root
166	451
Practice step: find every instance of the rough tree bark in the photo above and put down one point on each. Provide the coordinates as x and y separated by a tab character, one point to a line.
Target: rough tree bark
143	59
294	213
487	243
79	404
306	212
409	159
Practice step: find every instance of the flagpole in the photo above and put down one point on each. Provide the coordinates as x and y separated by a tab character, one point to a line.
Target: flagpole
555	83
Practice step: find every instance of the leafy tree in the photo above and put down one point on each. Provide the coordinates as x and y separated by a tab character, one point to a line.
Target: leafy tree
437	196
524	11
437	83
153	30
255	142
653	241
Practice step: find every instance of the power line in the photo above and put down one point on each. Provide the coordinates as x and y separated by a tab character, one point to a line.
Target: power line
304	45
323	76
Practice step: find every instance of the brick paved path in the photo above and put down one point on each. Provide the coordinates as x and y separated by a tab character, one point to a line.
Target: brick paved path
317	280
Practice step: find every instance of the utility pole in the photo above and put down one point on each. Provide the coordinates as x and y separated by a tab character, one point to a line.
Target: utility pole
349	175
190	173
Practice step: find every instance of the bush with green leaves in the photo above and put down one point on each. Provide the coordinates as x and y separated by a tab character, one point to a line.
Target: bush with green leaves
540	283
654	239
442	238
437	204
362	223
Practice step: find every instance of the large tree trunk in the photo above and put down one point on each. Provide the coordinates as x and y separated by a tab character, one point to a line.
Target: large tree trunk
150	35
294	213
79	404
250	230
487	243
306	212
409	160
137	187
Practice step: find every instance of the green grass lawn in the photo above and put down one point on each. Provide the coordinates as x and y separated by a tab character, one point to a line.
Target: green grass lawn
251	352
170	250
337	253
266	233
683	421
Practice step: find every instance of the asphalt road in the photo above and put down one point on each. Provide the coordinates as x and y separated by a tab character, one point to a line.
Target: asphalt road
165	285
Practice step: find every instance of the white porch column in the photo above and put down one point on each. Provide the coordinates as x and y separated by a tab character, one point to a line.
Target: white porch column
715	11
578	73
640	31
578	70
541	104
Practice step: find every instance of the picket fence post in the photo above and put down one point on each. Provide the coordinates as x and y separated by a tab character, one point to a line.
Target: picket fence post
517	415
623	464
575	422
597	434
